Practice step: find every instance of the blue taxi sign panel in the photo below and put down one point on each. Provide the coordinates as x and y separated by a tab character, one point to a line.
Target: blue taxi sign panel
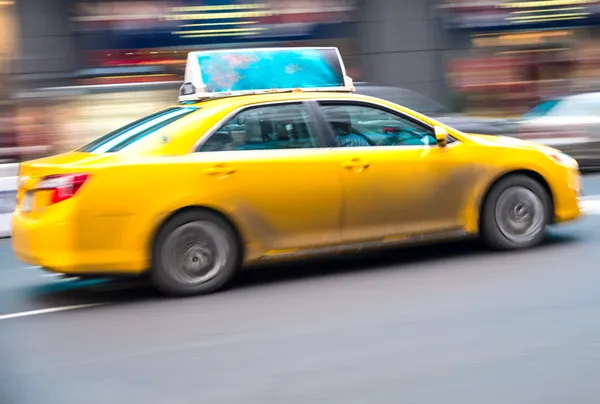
246	71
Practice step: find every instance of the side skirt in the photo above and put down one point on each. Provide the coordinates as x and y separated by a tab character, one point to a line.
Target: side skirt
388	242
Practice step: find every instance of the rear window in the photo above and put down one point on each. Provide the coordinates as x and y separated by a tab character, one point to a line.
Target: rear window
541	109
131	133
404	97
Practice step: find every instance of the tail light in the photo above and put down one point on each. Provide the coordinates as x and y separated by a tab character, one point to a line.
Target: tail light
63	186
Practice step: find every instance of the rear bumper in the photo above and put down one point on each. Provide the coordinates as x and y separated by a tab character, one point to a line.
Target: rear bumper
46	243
61	243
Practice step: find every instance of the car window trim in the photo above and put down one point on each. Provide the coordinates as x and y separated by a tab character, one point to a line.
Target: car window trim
380	106
440	108
318	131
119	131
145	133
324	128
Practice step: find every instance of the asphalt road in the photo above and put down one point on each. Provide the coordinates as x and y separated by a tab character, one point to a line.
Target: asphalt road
438	324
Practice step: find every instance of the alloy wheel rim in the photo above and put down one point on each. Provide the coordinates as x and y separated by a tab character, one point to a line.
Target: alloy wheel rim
520	214
195	252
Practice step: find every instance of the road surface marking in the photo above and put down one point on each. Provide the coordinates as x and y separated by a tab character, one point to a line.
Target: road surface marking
49	275
47	311
557	141
60	278
590	205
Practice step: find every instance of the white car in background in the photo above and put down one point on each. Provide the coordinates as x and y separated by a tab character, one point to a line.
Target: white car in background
426	106
571	124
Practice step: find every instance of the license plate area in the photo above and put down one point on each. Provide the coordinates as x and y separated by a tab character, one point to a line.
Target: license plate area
27	205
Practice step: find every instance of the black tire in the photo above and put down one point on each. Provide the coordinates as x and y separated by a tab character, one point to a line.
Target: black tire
495	226
210	243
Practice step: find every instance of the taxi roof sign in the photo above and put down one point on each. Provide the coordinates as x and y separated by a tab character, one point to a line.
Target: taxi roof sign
231	72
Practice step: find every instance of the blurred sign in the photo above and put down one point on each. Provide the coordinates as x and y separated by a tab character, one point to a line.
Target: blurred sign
168	23
527	38
477	72
518	15
251	70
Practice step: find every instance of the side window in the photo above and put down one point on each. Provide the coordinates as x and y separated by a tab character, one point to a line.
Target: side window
271	127
360	125
577	107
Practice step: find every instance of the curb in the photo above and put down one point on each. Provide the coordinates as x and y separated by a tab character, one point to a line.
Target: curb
8	198
9	170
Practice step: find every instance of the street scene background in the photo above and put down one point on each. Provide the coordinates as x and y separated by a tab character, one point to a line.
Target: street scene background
72	70
452	323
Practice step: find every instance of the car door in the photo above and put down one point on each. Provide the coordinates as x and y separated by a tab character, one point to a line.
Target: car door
268	167
398	183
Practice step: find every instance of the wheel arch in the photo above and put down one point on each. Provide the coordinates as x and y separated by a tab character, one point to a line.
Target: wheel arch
536	176
197	208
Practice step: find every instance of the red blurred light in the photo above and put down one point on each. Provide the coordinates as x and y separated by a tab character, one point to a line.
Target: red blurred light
63	186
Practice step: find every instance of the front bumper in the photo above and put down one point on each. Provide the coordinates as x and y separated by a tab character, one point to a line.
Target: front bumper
566	199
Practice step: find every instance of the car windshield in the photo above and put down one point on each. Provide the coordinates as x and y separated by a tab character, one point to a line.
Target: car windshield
577	107
568	107
541	109
131	133
404	97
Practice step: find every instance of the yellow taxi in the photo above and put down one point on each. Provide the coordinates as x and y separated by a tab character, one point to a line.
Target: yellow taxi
238	173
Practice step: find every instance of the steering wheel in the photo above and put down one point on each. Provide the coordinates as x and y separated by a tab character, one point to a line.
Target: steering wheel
369	141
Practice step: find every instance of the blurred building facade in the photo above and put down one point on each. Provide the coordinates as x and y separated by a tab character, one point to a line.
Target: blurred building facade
402	43
510	55
483	56
411	43
396	42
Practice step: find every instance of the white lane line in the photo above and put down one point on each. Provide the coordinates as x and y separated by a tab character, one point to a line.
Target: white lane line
48	311
52	275
590	205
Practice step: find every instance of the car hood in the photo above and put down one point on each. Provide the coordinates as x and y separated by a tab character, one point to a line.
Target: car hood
505	141
472	124
549	121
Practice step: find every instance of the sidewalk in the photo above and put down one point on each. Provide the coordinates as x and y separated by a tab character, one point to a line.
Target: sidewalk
8	196
8	170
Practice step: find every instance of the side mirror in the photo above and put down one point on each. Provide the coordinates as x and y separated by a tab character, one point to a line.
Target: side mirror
441	136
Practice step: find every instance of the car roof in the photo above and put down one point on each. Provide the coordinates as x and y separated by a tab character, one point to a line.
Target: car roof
584	96
368	86
243	100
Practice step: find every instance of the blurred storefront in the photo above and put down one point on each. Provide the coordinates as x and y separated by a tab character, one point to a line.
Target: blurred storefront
126	58
519	52
147	41
8	49
103	63
8	54
8	36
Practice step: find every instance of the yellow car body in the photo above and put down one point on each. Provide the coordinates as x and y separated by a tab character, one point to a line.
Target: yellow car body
282	203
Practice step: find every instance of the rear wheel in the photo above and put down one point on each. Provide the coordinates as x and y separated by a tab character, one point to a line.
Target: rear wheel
516	213
196	252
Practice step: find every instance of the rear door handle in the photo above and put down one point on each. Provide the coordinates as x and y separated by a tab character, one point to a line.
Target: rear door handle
220	170
355	164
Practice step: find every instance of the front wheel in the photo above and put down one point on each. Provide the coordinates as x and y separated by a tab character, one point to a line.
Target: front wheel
516	213
195	253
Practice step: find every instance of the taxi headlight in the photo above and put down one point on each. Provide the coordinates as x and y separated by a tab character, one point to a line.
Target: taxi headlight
564	159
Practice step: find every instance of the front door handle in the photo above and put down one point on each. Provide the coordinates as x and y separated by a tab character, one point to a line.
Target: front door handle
220	170
356	164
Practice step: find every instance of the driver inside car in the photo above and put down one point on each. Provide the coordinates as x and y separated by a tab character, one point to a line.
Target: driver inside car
341	124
